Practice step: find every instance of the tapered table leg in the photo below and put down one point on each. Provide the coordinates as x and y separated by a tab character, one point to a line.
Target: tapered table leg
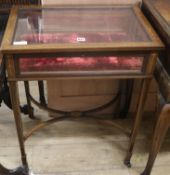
162	125
17	115
140	106
41	93
126	91
27	92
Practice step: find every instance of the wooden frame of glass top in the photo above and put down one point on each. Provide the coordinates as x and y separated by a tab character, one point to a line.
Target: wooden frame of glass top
8	47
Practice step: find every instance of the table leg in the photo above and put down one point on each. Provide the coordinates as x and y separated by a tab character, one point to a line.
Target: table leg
126	91
17	115
142	98
41	92
120	99
160	131
27	92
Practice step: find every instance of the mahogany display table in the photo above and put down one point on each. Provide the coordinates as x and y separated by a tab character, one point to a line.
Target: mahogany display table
158	12
78	42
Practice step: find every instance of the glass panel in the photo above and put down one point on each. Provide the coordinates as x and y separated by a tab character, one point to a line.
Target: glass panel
67	65
78	25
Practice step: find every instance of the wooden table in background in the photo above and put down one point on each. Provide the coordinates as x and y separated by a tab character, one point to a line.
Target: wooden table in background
158	12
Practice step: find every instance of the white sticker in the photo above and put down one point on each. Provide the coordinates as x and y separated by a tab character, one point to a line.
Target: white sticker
81	39
20	43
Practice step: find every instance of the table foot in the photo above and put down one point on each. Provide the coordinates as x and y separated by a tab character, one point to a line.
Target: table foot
31	113
127	163
127	159
26	110
145	173
17	171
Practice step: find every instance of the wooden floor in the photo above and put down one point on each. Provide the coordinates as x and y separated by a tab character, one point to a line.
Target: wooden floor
79	147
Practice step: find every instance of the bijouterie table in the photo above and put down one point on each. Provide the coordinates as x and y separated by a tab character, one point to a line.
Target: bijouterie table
78	42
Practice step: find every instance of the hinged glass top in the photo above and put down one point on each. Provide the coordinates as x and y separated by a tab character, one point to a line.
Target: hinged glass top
78	25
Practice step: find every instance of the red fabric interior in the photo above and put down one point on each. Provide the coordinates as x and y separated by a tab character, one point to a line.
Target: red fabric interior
73	37
76	63
80	63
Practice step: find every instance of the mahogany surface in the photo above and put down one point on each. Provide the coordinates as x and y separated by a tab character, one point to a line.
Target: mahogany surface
158	12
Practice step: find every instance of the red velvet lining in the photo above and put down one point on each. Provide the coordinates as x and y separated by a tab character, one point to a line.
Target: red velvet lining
80	63
77	63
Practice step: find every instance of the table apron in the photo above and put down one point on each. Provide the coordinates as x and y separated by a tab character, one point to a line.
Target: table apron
33	78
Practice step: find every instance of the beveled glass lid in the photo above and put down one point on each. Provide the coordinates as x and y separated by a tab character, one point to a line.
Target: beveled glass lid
79	28
78	25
